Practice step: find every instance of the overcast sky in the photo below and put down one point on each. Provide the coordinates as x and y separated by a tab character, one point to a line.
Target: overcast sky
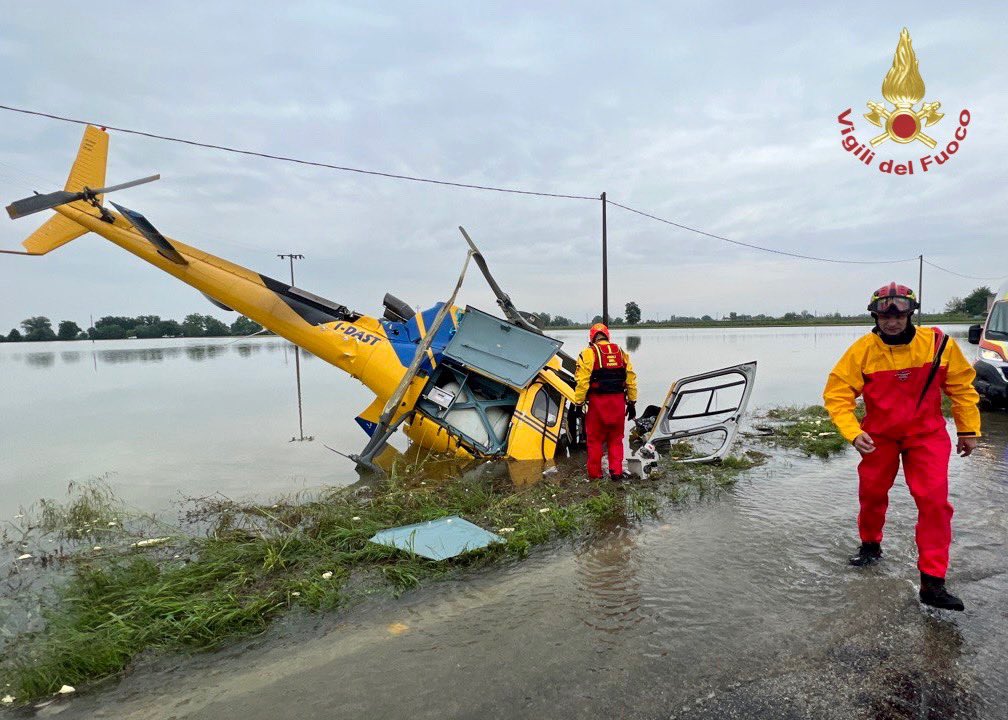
722	117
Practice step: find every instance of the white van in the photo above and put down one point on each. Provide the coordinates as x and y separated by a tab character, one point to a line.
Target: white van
992	356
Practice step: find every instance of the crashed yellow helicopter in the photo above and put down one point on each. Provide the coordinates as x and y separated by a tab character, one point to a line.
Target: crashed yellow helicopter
455	380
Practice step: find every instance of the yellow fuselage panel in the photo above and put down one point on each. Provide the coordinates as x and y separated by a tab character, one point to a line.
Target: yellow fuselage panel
530	438
427	433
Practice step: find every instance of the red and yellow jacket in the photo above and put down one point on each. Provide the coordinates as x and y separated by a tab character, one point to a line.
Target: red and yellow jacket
891	378
588	361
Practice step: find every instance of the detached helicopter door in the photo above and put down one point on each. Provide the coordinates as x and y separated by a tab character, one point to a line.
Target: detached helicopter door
702	412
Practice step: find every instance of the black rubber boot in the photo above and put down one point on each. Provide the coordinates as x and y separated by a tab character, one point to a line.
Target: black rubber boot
933	593
867	554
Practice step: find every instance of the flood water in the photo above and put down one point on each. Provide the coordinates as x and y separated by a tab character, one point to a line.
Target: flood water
165	419
739	606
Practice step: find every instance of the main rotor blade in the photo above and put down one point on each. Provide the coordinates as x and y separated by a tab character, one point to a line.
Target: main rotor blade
503	299
146	228
38	203
482	263
123	186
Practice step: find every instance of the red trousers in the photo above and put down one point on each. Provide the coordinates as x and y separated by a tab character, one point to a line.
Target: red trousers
925	465
604	426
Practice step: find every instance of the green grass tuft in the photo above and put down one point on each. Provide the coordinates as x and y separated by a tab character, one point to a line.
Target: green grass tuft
808	429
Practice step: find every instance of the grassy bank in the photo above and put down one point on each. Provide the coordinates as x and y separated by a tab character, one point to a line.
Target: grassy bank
229	569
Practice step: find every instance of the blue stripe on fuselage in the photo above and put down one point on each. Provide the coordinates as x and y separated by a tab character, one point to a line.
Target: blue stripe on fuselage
405	336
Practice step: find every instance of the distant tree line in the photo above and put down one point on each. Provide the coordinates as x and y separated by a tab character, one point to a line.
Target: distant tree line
631	310
111	327
972	306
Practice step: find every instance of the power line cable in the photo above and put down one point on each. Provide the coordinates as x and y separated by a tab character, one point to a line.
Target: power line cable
968	277
299	161
756	247
493	188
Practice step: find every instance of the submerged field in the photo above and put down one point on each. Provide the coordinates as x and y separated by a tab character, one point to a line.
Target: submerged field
124	583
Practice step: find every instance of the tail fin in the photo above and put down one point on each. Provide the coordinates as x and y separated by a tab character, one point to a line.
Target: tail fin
88	170
89	167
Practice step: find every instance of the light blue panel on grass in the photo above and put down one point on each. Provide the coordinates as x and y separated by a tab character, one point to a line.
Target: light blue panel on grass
437	539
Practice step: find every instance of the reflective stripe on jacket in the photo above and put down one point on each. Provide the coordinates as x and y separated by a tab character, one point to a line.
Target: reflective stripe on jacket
587	377
891	378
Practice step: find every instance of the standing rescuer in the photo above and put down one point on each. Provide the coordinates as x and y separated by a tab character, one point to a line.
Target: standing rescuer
607	380
900	370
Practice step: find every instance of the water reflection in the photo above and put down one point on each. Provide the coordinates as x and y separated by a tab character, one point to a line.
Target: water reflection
40	359
289	350
246	349
633	342
608	581
123	355
118	357
528	472
199	353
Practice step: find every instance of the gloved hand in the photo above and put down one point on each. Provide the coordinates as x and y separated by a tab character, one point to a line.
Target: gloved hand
631	410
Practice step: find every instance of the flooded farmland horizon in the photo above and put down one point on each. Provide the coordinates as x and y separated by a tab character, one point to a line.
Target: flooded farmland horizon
166	419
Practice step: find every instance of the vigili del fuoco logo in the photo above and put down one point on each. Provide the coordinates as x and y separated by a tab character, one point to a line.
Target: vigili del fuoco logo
903	123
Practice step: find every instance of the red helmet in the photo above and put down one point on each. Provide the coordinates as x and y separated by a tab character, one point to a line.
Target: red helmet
893	299
596	329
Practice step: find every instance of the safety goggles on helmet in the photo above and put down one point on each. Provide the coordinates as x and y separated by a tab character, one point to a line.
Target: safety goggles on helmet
893	299
892	306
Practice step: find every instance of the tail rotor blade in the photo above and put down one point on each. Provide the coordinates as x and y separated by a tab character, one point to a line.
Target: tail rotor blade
123	186
38	203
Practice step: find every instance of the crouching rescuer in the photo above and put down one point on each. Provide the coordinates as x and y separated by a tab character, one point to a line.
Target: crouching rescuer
606	379
900	371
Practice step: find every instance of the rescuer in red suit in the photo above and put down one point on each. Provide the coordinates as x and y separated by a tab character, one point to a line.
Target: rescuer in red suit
607	380
900	371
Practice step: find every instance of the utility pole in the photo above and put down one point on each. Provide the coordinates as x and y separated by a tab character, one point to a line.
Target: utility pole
920	290
297	351
605	267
